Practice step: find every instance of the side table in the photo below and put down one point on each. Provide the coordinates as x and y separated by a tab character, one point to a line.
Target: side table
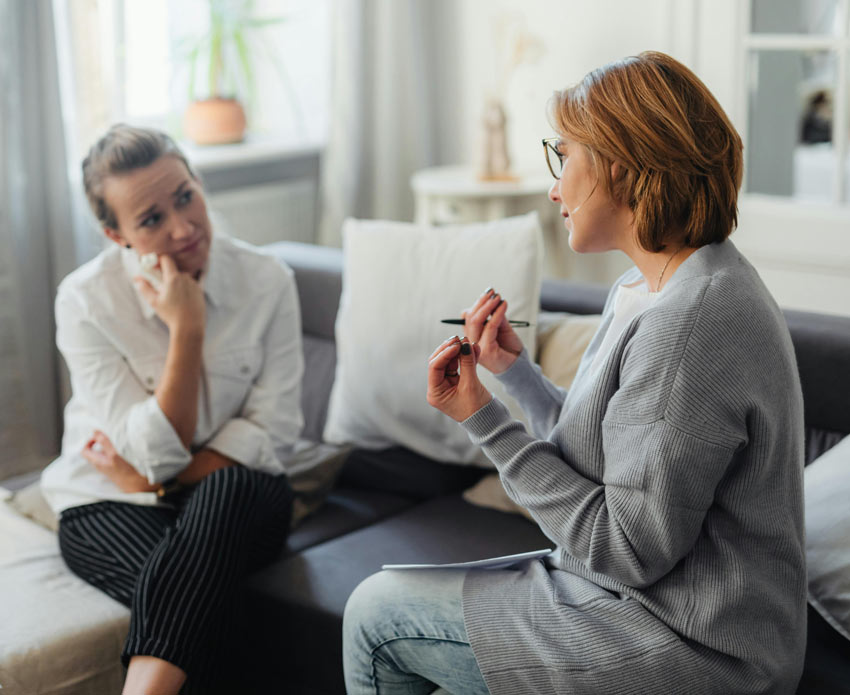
455	195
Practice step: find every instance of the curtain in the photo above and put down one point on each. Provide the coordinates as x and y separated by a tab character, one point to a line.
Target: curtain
37	241
394	102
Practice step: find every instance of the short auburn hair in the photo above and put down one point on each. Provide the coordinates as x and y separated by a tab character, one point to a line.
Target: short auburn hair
121	149
679	159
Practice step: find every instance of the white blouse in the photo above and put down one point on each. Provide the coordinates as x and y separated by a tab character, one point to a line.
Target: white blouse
115	348
629	301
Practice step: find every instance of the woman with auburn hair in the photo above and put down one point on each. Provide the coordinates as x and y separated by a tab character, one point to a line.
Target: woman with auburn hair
172	481
669	476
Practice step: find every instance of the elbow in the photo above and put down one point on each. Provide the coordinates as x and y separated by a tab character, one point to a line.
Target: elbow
633	571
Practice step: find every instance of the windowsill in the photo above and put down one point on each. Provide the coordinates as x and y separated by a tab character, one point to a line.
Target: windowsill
254	149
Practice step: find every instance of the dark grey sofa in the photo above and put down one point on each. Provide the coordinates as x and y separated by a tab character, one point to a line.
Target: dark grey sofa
396	506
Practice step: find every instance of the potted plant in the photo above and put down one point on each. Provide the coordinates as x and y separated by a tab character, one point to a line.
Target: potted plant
227	54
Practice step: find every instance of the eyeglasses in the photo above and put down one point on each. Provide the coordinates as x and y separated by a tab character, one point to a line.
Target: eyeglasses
554	158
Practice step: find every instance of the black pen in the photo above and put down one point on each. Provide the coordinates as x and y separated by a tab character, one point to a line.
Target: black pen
460	322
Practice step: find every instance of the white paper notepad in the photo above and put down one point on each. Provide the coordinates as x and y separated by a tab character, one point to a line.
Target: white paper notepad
493	563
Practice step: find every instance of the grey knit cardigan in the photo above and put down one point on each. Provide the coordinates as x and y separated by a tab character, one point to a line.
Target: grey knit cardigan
671	481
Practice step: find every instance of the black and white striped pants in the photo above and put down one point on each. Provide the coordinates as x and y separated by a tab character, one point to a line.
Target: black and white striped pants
178	568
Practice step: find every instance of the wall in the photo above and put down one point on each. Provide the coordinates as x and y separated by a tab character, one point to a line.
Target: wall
577	37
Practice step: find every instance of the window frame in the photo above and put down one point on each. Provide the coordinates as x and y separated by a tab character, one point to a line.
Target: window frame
748	41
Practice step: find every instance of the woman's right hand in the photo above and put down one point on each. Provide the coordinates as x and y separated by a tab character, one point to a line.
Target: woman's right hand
500	345
179	301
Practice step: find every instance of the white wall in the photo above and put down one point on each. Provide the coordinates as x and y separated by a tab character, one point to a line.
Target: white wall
577	37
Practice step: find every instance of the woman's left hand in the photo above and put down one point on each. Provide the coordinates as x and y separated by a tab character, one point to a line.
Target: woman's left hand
100	453
453	384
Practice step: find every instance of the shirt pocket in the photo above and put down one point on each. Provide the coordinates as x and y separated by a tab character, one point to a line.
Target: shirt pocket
147	370
231	375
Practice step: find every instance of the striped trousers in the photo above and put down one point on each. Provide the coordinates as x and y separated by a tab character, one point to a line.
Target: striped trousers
179	567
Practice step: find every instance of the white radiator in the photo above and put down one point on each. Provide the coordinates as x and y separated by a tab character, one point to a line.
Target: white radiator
280	211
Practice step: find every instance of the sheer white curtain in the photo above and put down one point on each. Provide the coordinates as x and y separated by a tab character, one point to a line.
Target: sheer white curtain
36	244
393	110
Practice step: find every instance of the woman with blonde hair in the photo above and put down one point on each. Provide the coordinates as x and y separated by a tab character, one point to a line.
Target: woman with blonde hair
669	476
184	351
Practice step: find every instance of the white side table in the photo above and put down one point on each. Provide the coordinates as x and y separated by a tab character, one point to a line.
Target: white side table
452	195
455	195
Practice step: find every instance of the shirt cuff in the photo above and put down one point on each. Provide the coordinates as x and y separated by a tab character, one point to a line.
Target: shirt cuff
485	420
153	445
246	443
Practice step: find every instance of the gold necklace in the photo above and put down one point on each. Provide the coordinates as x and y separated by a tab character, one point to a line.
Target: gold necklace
661	274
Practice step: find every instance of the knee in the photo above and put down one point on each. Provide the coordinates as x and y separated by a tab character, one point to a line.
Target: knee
368	604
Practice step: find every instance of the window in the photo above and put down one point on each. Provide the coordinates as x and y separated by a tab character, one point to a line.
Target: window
796	69
126	60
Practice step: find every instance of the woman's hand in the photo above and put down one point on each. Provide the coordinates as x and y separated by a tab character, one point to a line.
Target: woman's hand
179	302
500	345
453	385
204	462
100	453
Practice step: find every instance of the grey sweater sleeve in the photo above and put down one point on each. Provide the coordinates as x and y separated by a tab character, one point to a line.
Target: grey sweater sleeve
539	398
639	521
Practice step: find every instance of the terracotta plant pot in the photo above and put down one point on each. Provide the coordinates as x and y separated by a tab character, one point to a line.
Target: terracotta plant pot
214	121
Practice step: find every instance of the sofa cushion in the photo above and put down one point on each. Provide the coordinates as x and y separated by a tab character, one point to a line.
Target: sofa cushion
827	485
302	597
399	471
573	297
822	346
318	275
319	367
344	510
827	667
399	281
57	633
29	501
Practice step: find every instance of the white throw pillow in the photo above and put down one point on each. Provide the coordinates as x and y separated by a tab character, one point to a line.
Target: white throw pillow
399	280
827	490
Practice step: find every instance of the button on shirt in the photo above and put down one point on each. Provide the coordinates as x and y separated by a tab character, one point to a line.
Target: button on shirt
115	348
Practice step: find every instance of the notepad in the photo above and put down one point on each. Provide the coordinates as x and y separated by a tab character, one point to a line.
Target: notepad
493	563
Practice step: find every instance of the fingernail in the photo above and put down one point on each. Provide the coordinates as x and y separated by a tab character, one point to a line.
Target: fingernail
501	301
465	349
488	290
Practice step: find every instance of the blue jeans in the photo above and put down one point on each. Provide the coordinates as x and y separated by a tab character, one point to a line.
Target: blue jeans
403	633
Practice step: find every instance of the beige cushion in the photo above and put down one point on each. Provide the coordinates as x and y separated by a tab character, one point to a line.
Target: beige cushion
562	340
58	635
488	492
31	503
561	348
